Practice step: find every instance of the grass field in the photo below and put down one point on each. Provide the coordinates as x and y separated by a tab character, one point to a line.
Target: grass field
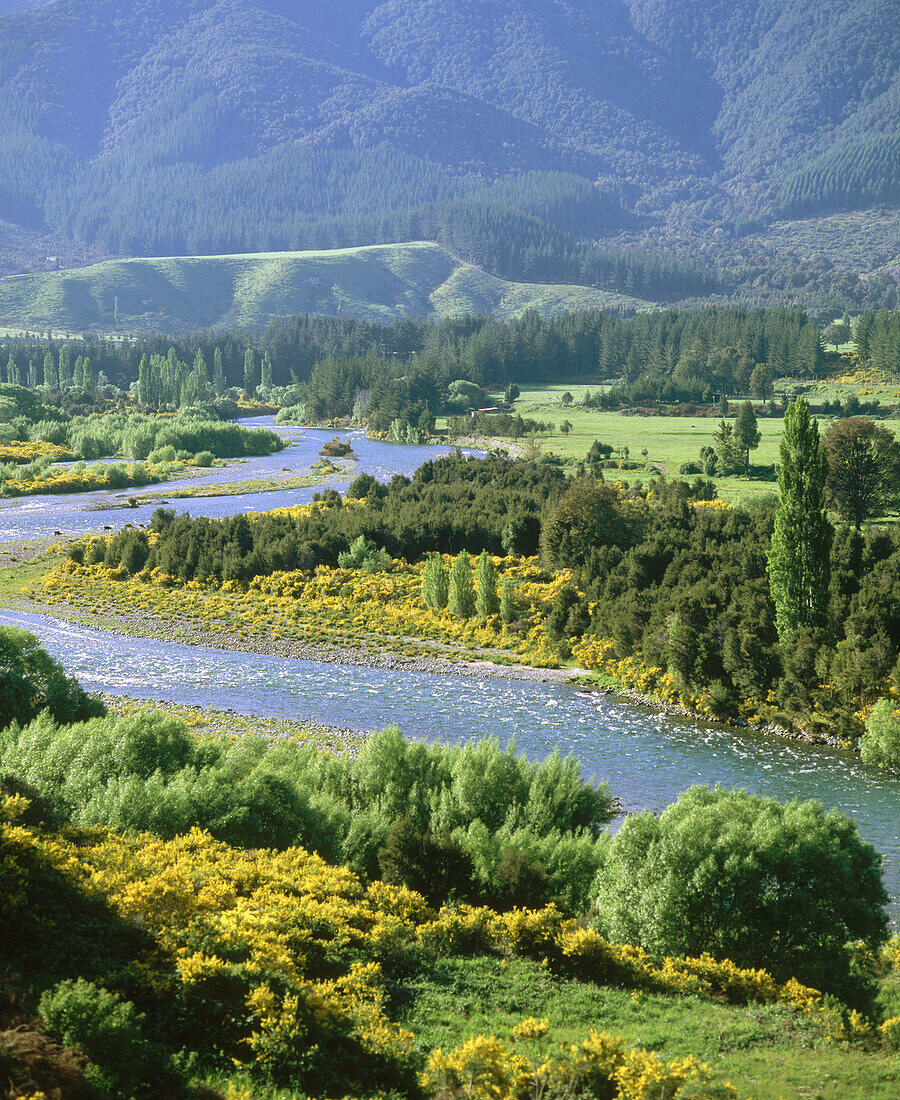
379	283
766	1051
669	440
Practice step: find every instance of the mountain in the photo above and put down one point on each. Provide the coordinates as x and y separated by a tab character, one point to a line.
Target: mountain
150	127
382	283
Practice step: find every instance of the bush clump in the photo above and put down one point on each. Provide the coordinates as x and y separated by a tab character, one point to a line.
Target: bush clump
108	1031
782	886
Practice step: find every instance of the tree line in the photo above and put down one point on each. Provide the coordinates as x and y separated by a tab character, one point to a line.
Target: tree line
687	351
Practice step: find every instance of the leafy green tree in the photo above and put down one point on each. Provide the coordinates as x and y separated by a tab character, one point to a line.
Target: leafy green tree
588	514
863	468
880	744
798	562
460	595
508	610
463	394
486	600
434	583
746	432
365	556
780	886
836	334
108	1030
31	681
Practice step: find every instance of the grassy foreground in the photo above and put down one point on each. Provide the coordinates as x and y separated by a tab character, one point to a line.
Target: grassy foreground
379	283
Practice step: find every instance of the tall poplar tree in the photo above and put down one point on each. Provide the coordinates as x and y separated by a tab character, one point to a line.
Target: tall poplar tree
51	378
461	596
65	367
801	541
265	383
486	601
434	583
218	372
249	372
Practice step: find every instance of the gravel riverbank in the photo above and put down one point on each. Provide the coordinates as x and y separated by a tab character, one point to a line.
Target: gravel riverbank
143	625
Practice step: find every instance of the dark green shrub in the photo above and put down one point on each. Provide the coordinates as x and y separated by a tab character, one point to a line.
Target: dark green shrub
107	1030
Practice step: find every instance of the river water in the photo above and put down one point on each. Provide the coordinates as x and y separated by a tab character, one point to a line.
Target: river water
647	757
83	513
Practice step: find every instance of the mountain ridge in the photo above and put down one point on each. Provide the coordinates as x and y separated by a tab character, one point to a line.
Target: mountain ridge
210	126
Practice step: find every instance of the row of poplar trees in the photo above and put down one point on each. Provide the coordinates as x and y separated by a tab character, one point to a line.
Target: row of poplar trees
453	588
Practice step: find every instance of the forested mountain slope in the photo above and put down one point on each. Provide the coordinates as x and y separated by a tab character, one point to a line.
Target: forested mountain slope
516	132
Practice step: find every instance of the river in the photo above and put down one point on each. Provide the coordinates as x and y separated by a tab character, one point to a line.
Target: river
647	757
82	513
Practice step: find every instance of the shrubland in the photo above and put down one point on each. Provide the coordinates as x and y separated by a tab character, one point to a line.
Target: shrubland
172	950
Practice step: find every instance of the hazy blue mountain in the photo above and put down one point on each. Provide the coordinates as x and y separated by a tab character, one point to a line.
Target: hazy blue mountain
204	126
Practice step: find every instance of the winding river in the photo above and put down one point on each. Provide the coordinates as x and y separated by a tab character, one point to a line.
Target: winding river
648	758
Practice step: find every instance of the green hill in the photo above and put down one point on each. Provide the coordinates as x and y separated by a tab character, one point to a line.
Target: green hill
379	283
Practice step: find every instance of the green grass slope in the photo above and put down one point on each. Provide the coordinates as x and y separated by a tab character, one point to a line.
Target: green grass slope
377	283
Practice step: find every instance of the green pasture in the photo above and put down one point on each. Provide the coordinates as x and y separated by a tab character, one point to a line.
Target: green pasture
669	440
379	283
767	1052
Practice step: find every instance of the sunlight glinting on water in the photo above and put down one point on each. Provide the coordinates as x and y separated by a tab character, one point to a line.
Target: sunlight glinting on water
647	758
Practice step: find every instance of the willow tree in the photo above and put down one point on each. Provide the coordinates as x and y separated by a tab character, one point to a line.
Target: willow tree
801	541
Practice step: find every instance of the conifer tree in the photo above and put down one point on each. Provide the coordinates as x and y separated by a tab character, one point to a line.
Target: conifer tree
799	554
12	370
486	601
460	595
746	433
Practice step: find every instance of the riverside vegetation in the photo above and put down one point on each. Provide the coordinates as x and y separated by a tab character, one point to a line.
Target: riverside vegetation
36	436
170	953
666	590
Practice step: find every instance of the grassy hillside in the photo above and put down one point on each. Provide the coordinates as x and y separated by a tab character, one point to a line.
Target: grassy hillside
380	283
